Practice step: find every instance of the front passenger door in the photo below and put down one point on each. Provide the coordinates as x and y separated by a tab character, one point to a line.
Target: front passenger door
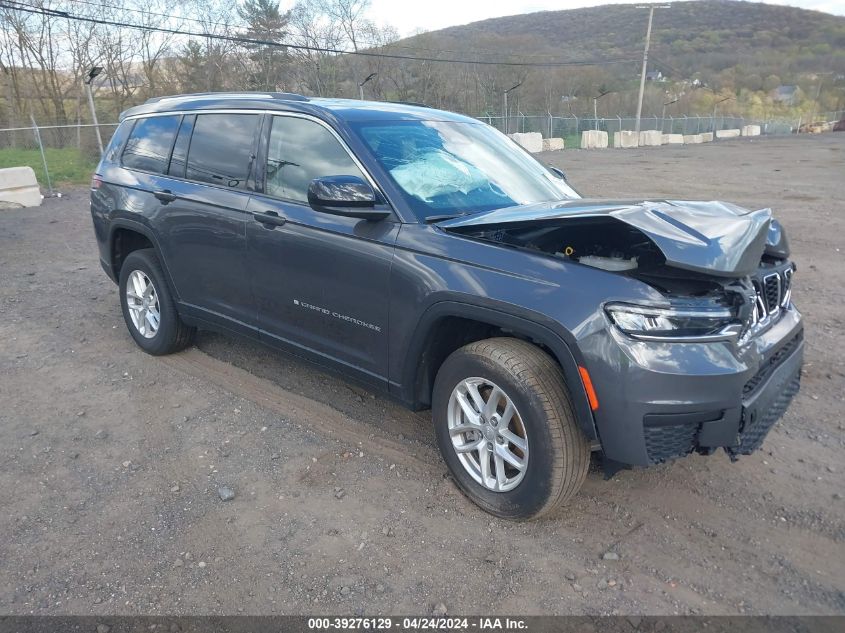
320	281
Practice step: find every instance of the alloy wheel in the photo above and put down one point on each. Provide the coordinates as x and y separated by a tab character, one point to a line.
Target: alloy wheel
488	434
142	301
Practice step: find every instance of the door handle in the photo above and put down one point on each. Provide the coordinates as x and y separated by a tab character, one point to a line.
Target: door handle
269	218
165	196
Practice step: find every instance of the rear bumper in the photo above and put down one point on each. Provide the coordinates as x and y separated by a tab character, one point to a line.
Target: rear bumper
660	401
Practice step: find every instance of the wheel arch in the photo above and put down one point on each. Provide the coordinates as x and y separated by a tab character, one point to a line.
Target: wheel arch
126	236
448	325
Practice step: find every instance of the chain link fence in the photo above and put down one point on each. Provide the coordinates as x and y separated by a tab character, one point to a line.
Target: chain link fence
570	128
57	153
69	153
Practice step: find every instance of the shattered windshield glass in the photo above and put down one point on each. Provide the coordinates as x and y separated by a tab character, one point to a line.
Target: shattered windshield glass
447	168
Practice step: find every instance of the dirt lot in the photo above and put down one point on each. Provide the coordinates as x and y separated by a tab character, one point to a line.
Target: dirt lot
111	460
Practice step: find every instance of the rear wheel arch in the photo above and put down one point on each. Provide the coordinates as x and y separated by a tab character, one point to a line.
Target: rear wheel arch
124	241
127	236
447	326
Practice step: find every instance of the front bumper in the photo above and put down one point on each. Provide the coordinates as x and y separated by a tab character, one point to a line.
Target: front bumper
659	401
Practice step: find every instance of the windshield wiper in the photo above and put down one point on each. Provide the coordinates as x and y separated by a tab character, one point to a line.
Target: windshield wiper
444	216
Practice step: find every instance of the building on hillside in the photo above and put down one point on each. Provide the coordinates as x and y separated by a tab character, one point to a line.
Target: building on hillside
787	95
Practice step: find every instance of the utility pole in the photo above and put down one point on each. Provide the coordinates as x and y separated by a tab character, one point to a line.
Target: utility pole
651	8
96	70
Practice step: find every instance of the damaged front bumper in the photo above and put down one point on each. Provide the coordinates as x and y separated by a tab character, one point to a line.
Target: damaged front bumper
660	401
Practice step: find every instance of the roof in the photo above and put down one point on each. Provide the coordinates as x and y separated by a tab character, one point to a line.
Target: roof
342	109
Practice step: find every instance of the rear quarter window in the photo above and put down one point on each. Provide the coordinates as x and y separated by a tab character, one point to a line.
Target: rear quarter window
112	153
149	144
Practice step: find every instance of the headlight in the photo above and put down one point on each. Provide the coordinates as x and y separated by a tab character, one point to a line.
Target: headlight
674	324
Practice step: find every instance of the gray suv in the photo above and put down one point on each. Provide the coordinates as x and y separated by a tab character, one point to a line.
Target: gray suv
426	255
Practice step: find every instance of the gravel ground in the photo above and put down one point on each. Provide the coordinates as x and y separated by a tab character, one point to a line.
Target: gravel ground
115	466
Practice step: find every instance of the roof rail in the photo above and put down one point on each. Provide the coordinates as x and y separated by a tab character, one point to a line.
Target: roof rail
282	96
411	103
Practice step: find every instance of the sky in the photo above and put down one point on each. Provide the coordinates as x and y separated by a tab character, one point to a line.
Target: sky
408	16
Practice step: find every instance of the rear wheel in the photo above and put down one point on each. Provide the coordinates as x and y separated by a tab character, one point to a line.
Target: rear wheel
505	427
148	308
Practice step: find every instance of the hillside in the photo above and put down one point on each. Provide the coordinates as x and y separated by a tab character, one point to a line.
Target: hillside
728	45
699	36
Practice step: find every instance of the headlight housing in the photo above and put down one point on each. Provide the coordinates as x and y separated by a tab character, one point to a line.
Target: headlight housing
682	324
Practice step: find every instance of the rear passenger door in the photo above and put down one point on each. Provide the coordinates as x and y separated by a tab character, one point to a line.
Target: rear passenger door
321	281
202	224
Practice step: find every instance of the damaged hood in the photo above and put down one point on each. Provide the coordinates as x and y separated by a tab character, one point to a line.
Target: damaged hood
716	238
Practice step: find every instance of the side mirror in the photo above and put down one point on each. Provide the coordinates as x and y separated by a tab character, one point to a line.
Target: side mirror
557	172
345	195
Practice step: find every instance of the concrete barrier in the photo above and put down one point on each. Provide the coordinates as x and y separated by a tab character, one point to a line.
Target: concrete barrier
651	138
532	141
751	130
593	139
672	139
727	133
19	187
692	139
706	137
625	139
553	144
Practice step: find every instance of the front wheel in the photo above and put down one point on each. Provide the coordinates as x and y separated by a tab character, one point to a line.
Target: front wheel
148	308
505	427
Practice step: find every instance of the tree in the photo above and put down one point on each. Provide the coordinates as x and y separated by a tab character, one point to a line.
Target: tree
269	25
349	16
316	69
771	82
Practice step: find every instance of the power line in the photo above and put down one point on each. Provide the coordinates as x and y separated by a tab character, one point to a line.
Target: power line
303	47
207	23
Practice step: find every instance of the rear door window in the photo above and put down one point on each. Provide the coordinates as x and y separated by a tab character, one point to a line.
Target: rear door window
149	144
221	149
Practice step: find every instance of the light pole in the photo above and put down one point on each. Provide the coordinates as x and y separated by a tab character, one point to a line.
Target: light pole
505	106
595	106
651	8
818	94
96	70
715	106
361	85
663	115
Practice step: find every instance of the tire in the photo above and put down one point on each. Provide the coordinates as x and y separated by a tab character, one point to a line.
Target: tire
557	454
171	334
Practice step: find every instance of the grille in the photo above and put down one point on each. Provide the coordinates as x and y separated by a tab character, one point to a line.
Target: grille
770	365
667	442
754	430
786	288
771	290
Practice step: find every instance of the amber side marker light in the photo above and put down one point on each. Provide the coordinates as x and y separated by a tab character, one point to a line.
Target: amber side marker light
588	387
